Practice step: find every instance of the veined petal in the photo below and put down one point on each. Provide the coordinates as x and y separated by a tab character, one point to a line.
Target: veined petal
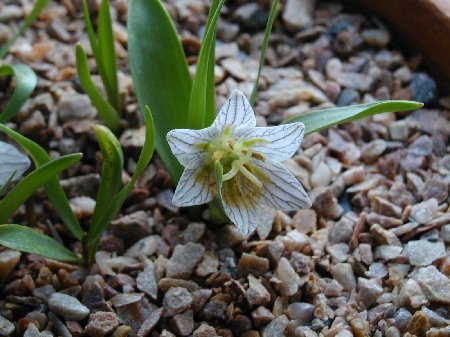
184	145
282	191
241	203
196	186
236	112
277	143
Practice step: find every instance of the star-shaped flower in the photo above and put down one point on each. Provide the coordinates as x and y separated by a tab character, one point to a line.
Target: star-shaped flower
251	158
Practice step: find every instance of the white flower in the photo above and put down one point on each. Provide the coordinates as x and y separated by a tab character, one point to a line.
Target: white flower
251	157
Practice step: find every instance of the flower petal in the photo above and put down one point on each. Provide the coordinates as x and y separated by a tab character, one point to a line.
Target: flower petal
278	143
196	186
236	112
183	143
282	190
241	203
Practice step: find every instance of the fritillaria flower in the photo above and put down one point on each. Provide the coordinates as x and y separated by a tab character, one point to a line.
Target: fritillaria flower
250	158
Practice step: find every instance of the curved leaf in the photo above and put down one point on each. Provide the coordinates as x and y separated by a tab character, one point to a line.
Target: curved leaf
28	240
160	73
105	110
37	9
146	155
321	119
28	185
53	188
201	113
26	81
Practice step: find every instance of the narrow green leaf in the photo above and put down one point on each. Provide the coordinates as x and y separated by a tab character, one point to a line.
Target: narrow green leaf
91	34
26	81
146	155
160	73
28	185
268	30
111	178
105	110
108	56
200	112
321	119
38	7
28	240
53	188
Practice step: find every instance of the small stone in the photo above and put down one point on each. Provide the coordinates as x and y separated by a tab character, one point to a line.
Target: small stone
388	252
167	283
204	330
445	233
235	68
343	273
184	259
68	307
101	323
383	221
321	175
298	14
435	318
209	265
438	332
82	207
385	207
146	282
384	236
150	323
256	294
75	107
402	318
403	74
58	31
411	295
33	123
423	88
347	97
183	324
92	294
369	291
424	252
436	188
392	331
377	270
338	251
276	327
325	203
6	327
148	246
360	327
370	152
252	264
435	285
133	138
305	221
376	37
419	324
422	146
33	331
300	311
399	130
290	280
176	300
261	316
193	232
199	298
8	261
425	211
131	227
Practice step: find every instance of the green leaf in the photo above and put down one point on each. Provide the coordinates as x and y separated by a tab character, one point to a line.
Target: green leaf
26	81
105	110
321	119
38	7
201	113
28	185
111	178
146	155
27	240
268	30
107	56
160	73
53	188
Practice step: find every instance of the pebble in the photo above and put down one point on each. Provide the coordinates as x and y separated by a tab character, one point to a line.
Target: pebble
290	280
325	203
133	138
8	261
204	330
68	307
423	88
146	282
183	324
132	227
276	327
411	294
252	264
11	12
370	152
435	285
261	316
419	324
184	260
383	236
193	232
424	211
101	323
376	37
257	294
343	273
321	175
209	265
176	300
347	97
302	312
150	323
33	331
6	327
360	327
298	14
73	107
369	291
424	252
305	221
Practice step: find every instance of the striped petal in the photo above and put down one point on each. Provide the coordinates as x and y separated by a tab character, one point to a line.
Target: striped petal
241	203
184	145
196	186
277	143
282	191
236	112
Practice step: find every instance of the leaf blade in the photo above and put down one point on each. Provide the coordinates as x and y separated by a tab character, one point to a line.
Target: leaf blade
163	83
27	240
320	119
